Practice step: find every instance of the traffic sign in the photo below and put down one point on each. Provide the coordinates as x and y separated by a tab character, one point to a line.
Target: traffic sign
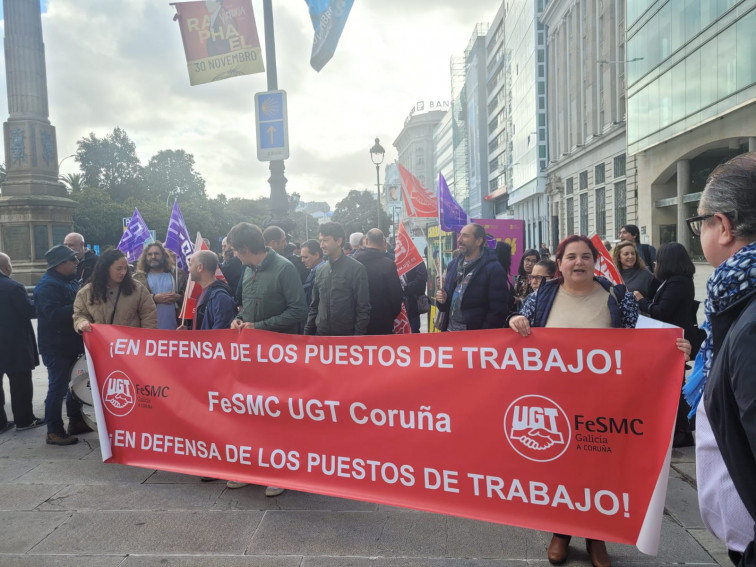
272	126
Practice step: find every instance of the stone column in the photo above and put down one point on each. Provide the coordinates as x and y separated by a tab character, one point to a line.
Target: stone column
752	144
683	184
35	211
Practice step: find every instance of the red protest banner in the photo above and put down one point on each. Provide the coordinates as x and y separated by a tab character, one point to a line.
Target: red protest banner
604	264
555	431
220	39
405	251
419	201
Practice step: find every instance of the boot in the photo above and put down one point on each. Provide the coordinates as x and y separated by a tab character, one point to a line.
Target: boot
76	426
597	551
558	548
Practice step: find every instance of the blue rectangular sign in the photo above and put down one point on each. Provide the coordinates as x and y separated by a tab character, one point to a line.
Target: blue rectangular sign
272	126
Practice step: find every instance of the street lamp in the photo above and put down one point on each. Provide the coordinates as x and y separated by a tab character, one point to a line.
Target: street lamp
376	155
64	159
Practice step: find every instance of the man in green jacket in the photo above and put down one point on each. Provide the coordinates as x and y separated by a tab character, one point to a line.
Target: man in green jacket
272	294
340	303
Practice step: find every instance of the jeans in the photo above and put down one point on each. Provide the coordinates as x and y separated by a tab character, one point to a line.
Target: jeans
58	377
21	391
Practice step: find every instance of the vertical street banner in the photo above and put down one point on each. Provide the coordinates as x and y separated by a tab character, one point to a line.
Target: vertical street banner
328	20
555	431
420	202
135	236
605	265
220	39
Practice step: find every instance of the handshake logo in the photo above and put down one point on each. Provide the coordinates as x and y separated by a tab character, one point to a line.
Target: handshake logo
118	394
537	428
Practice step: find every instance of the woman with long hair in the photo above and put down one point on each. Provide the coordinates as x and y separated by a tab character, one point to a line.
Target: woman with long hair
674	303
632	268
578	299
522	279
113	297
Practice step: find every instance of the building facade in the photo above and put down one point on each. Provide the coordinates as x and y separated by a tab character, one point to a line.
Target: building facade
691	91
591	186
526	134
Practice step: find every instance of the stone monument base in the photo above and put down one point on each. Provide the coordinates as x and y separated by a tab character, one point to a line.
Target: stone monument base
29	226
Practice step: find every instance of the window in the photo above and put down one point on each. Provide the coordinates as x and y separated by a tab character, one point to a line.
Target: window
570	216
620	204
601	212
583	180
619	166
584	213
569	186
598	174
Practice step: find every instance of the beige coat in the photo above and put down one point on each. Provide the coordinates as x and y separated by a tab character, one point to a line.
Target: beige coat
135	310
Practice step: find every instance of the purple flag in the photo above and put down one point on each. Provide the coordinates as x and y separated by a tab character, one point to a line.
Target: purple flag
177	238
451	216
134	237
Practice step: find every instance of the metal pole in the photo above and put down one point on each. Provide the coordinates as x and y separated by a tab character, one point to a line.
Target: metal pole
378	190
279	206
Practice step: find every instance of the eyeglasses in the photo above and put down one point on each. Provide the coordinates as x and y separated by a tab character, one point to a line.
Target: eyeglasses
694	223
539	278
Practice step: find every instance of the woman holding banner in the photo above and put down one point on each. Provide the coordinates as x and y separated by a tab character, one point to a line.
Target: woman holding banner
113	297
722	386
578	299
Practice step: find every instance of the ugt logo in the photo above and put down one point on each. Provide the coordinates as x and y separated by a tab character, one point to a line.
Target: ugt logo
118	394
537	428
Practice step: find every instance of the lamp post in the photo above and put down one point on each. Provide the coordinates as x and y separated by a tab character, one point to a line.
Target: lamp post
376	155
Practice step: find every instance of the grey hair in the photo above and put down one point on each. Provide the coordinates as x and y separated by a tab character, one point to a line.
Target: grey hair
731	190
355	239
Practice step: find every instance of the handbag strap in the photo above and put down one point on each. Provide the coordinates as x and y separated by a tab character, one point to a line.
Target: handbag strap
115	305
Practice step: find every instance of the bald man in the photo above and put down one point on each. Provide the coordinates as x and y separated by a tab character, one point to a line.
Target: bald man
18	355
87	258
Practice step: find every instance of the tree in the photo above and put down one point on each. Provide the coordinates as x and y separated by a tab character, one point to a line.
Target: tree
74	182
170	174
111	163
358	212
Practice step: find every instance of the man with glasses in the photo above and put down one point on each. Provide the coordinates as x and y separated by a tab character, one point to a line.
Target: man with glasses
59	344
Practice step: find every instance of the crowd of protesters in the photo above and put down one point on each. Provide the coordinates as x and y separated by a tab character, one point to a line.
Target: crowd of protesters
339	286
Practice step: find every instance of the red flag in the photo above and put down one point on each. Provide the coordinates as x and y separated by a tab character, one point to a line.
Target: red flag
407	254
604	265
401	323
420	202
193	292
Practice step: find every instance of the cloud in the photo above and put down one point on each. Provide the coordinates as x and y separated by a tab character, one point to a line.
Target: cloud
122	64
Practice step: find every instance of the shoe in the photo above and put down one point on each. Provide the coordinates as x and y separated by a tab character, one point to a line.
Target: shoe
36	422
235	484
271	491
77	427
558	548
61	439
597	551
8	426
208	479
680	439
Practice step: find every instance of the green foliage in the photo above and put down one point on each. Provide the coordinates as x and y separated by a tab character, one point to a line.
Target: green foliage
170	175
74	182
358	212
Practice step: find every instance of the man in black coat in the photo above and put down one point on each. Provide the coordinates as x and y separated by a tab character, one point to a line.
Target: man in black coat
18	355
87	258
417	280
383	282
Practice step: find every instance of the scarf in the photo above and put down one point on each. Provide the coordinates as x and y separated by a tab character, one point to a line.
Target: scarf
731	281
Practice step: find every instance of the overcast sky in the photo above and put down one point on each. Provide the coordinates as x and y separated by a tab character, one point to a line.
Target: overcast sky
122	64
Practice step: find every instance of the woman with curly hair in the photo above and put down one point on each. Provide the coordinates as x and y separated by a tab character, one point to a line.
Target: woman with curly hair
113	297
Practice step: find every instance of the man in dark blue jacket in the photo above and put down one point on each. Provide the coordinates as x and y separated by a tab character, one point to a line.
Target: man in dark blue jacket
475	290
59	344
216	307
18	355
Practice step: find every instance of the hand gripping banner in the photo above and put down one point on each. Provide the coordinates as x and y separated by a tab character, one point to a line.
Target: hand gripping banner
559	431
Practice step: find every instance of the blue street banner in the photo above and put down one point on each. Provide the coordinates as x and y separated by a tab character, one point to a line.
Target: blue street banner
451	216
134	237
177	238
328	18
